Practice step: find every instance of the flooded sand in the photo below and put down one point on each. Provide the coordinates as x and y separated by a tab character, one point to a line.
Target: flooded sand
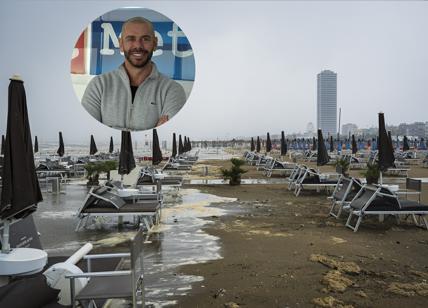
179	240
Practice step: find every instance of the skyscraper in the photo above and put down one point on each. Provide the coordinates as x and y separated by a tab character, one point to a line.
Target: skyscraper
327	102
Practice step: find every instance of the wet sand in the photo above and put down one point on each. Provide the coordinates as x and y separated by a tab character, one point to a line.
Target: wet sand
285	251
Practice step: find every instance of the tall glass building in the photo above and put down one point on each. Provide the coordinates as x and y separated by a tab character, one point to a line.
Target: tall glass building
327	102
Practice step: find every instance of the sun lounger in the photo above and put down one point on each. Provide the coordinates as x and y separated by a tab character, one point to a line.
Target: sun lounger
253	158
310	178
343	193
295	174
101	202
378	200
275	165
150	176
173	164
121	283
262	161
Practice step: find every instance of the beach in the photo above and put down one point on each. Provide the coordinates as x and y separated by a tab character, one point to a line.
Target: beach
279	250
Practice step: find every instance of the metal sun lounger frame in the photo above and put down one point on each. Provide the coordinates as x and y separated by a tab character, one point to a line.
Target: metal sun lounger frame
169	181
300	184
360	207
149	218
171	164
342	194
275	165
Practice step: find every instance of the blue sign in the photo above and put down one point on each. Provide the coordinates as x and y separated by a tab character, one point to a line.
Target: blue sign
173	56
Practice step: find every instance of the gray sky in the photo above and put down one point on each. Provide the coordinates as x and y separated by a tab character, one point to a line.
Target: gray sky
256	64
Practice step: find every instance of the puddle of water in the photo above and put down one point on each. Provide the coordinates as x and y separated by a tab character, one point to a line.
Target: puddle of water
179	240
243	181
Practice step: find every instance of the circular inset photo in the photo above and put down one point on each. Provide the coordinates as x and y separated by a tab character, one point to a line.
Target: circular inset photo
133	69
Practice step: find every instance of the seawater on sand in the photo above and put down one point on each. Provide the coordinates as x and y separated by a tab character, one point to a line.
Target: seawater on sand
178	240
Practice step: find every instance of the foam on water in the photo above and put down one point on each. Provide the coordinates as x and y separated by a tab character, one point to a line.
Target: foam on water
179	239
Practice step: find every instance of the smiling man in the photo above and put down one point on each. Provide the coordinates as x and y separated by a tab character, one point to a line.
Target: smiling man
136	96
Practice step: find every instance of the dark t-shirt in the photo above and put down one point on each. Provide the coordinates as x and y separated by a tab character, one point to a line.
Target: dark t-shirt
133	91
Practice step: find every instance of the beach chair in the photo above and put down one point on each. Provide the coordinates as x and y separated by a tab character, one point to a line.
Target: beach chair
413	187
263	159
101	202
378	200
277	166
150	176
175	164
311	178
295	175
115	284
343	193
355	162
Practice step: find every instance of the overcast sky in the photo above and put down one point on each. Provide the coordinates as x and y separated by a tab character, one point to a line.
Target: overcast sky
256	64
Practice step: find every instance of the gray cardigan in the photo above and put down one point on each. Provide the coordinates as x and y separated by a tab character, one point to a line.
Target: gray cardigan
108	99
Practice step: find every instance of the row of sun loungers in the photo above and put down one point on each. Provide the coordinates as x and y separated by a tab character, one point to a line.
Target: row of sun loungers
112	200
364	200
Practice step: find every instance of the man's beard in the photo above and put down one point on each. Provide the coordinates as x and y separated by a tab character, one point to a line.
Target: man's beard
138	64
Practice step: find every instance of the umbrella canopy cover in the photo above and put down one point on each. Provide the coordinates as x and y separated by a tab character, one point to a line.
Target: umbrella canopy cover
406	146
385	153
253	147
2	144
60	150
180	145
110	148
93	147
156	151
283	144
322	155
20	191
354	146
126	156
258	145
174	145
314	144
268	143
331	144
36	145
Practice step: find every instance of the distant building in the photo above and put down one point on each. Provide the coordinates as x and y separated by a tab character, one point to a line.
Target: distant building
310	129
417	129
349	129
327	102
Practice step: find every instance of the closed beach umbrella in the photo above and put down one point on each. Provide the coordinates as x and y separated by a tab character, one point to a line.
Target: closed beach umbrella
268	143
156	151
314	143
180	145
253	147
36	145
385	155
283	144
2	144
390	141
174	146
331	144
60	150
322	155
110	148
354	145
20	191
126	156
190	144
258	144
93	147
186	144
405	144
